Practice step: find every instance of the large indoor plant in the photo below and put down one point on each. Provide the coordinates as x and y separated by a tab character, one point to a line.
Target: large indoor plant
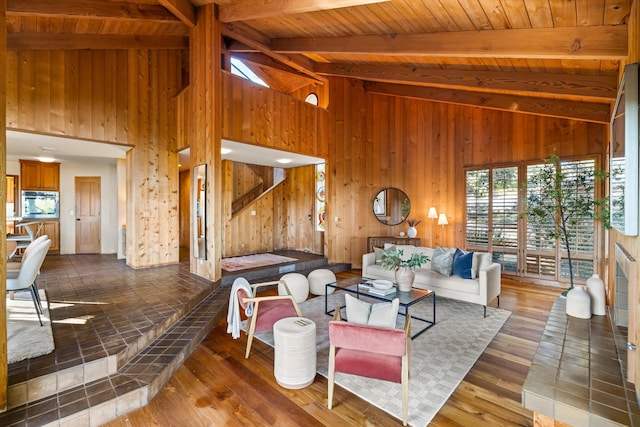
404	268
561	201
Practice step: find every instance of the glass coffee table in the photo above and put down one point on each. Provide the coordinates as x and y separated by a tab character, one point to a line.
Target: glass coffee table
407	299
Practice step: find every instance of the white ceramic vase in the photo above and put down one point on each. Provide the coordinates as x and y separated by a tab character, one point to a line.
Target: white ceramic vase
595	287
404	278
412	232
579	303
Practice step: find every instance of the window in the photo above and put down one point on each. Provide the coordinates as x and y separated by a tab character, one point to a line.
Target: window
240	69
526	247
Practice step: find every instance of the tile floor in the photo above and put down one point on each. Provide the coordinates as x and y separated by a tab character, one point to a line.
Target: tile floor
119	333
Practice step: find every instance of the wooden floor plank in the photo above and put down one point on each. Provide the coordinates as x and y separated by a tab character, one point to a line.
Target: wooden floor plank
218	386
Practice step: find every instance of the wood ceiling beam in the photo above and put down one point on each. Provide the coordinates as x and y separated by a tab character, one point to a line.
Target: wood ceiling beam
89	9
48	41
590	88
252	9
596	42
182	9
255	40
584	111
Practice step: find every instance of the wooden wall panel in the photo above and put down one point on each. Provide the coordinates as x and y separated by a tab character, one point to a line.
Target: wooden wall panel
261	116
423	148
82	94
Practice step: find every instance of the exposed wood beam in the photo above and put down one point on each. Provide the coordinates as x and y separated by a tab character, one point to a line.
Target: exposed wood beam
35	41
263	60
89	9
252	38
182	9
591	88
597	42
252	9
591	112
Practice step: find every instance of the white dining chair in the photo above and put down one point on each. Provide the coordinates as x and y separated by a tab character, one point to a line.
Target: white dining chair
25	281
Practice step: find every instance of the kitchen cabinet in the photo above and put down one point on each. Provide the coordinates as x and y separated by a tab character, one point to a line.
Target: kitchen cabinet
40	176
52	229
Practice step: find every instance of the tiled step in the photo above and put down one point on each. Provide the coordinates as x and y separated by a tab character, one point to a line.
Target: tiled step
134	385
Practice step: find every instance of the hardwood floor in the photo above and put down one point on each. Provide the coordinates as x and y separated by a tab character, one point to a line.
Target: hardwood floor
218	386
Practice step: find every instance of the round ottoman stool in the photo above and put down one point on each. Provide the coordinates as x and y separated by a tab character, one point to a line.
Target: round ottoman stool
297	284
318	279
294	341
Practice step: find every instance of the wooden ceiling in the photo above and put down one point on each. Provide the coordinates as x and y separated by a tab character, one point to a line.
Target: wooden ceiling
550	57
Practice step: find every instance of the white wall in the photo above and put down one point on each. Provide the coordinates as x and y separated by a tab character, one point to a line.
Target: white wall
109	229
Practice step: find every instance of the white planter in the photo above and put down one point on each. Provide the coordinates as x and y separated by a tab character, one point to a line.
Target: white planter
579	303
412	232
404	278
595	287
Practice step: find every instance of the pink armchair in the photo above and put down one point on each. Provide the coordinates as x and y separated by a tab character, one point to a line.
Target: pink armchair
372	352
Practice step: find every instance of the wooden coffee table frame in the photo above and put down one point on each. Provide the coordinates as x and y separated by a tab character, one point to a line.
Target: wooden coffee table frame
407	299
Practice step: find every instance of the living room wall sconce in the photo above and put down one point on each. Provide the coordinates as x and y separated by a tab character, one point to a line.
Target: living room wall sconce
433	215
442	220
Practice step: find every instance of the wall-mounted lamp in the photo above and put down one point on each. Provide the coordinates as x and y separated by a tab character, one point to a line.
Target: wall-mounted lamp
433	215
442	220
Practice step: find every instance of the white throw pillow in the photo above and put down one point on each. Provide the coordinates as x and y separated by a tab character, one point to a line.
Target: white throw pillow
364	313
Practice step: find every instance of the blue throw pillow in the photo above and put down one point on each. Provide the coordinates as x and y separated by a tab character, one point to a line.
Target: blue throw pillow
462	262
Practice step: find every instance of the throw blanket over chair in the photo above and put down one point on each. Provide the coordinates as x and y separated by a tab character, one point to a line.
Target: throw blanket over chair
262	312
372	352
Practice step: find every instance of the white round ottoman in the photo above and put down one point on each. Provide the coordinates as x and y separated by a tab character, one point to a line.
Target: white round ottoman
318	279
297	284
294	340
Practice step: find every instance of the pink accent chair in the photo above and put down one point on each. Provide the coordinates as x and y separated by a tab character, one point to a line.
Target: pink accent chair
372	352
267	310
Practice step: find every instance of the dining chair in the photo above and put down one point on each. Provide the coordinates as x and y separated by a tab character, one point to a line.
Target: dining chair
262	311
25	281
372	352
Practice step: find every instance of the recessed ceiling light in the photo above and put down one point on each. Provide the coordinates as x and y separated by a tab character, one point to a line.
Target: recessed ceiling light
284	161
225	150
47	149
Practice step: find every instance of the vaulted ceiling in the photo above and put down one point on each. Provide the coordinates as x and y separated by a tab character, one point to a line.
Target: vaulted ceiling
549	57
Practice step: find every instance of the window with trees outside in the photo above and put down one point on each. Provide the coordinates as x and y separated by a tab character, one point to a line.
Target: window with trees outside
523	246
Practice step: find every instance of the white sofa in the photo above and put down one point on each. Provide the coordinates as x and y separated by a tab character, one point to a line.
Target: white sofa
481	290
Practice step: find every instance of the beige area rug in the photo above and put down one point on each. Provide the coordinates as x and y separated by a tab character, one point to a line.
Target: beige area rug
25	337
441	356
252	261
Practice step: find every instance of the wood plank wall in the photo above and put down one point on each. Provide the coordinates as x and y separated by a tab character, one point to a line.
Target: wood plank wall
423	148
4	373
254	114
117	96
82	94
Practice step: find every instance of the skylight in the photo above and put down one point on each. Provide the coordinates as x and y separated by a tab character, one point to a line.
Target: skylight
240	69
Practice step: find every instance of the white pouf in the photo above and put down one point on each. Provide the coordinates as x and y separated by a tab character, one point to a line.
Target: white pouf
595	287
298	286
318	279
579	303
294	341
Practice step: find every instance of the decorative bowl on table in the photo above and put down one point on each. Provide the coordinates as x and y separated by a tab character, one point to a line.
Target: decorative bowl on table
381	284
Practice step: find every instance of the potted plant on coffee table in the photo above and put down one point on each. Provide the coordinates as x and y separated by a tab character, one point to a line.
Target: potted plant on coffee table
404	269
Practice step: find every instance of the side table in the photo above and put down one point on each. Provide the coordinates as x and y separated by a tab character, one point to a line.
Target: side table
294	339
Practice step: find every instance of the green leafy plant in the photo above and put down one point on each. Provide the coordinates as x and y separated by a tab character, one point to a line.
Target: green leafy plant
564	199
393	259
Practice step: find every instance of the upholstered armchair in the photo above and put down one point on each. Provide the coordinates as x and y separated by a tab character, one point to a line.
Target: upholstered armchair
370	351
262	311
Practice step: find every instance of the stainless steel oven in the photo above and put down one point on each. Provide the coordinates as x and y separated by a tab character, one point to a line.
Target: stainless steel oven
40	204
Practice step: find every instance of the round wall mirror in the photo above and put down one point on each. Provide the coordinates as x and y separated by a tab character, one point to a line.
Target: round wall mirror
391	206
